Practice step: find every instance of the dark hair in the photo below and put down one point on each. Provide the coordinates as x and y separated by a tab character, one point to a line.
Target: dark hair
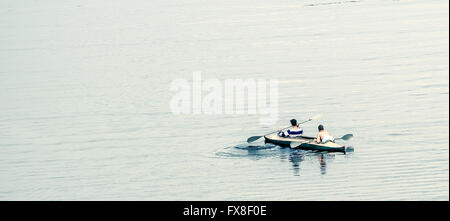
294	122
320	127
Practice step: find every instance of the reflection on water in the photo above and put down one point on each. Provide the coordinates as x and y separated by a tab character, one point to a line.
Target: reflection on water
323	164
294	156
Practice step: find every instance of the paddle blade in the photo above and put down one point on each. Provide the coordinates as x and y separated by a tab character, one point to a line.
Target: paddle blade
349	149
347	137
251	139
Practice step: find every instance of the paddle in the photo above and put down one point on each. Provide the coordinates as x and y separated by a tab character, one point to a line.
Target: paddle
345	137
254	138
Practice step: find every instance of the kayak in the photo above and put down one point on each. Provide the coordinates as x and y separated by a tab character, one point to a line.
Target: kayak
304	143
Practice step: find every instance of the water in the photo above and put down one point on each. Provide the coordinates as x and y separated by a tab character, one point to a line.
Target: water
85	90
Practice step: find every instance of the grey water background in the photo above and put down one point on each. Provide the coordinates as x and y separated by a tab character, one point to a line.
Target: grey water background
84	101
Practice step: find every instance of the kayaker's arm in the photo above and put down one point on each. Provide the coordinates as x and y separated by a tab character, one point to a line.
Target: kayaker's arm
283	134
318	140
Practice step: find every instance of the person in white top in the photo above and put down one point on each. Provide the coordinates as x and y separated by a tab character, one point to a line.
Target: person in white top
323	136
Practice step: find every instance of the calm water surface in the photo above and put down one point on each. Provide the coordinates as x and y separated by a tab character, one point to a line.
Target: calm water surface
84	102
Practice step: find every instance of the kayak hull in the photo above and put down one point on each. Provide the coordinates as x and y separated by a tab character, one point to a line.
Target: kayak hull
304	143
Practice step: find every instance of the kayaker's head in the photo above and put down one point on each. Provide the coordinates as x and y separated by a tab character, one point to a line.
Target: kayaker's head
294	122
321	127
